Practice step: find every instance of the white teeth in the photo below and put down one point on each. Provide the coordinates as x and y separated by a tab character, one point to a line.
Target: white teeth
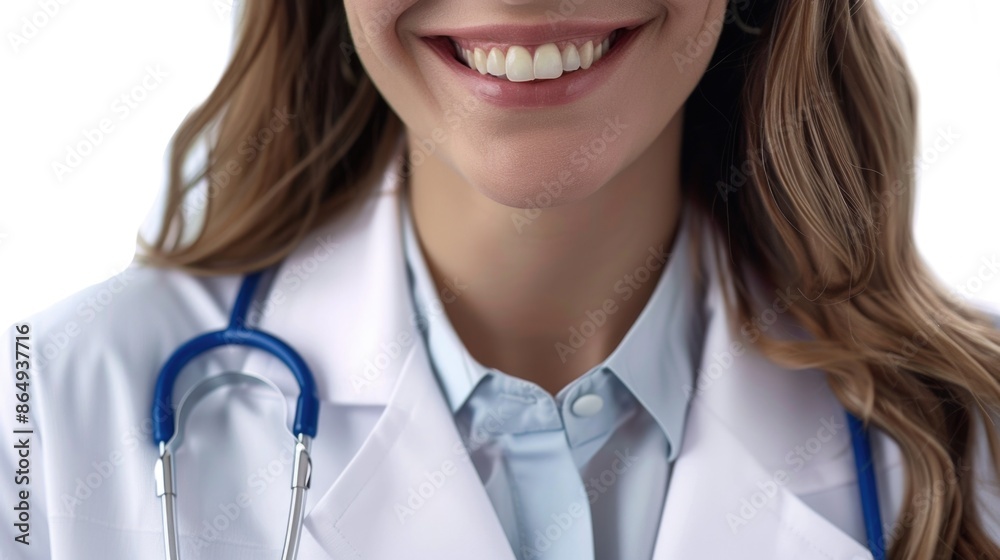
479	56
495	63
547	63
520	67
586	55
571	58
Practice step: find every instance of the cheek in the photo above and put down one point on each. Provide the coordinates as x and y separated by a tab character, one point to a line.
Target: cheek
375	41
389	59
679	55
693	35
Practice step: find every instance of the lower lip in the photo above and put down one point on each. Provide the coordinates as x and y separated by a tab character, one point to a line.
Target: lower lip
538	93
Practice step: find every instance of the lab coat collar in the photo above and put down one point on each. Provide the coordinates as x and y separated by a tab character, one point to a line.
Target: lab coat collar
341	299
344	303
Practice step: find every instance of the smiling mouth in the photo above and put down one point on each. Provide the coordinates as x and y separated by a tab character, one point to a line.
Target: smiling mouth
527	63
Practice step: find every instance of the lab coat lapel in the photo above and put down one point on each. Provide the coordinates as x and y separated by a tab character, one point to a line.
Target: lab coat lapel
412	488
731	492
722	503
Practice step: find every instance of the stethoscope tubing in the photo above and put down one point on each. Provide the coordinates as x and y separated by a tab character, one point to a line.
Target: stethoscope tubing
238	334
865	465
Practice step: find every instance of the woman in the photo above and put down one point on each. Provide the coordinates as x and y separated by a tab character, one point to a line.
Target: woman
575	280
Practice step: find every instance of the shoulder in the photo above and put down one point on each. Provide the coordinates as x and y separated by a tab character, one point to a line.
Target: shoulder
986	485
129	318
989	309
986	309
993	315
91	361
984	463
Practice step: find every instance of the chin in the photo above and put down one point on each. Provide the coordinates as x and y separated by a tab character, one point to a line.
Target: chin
521	177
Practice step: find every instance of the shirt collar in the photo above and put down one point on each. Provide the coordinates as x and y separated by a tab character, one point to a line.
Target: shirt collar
656	359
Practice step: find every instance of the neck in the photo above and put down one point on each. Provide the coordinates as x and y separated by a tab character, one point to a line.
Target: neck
524	280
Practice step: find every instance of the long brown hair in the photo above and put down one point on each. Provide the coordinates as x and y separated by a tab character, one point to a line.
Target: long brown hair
799	144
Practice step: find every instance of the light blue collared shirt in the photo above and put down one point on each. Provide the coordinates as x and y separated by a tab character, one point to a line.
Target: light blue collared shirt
583	475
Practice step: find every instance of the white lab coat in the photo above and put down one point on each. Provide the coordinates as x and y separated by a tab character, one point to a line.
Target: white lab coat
765	472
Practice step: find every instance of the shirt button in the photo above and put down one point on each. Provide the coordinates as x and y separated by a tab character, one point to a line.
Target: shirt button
587	405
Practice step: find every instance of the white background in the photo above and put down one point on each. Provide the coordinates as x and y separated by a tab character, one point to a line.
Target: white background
62	232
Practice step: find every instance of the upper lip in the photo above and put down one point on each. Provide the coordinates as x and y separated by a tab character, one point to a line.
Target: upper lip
521	34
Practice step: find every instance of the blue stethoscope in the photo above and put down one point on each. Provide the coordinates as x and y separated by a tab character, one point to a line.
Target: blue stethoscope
306	413
307	416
